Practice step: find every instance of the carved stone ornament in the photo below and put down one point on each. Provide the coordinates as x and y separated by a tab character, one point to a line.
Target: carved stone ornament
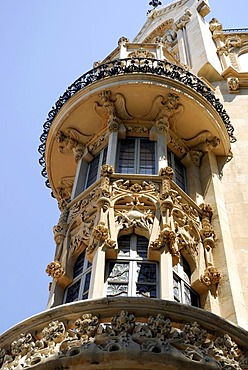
72	140
107	170
55	270
141	53
183	21
88	335
203	142
233	85
215	25
123	40
211	276
100	232
112	110
163	110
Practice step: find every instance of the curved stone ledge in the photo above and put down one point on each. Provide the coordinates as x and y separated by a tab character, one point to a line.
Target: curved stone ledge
126	332
130	66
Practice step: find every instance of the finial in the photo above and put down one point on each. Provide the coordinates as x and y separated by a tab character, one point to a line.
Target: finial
155	4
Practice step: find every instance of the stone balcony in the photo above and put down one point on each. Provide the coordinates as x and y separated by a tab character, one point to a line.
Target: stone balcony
124	333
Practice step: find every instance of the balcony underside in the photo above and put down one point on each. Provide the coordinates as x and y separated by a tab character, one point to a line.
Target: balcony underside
125	333
140	84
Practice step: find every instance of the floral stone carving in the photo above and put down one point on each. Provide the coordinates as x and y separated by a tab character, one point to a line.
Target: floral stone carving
188	343
55	270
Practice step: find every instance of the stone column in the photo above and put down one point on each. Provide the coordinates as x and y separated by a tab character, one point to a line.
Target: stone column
112	148
166	276
97	275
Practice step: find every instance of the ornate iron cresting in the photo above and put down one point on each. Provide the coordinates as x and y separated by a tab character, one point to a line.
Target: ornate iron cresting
129	66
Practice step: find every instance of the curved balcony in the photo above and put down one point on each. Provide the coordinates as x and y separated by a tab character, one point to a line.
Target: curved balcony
140	81
124	333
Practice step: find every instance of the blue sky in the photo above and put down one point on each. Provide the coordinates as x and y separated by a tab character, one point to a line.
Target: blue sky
45	46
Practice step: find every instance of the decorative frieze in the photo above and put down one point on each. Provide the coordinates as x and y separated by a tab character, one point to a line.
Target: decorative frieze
189	343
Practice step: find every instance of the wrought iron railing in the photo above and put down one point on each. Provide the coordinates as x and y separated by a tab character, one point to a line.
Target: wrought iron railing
133	66
235	30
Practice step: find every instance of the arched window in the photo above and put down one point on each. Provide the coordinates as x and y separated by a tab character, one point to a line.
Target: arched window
79	288
179	170
132	274
183	293
136	155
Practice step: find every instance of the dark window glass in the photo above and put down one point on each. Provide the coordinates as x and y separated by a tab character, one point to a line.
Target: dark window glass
95	166
179	170
131	274
147	157
136	155
183	292
126	156
73	292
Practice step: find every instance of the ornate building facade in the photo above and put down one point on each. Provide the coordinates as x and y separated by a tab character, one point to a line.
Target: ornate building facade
143	154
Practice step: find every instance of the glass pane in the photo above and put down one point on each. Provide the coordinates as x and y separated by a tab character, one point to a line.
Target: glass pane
149	291
93	170
79	265
104	156
87	282
124	246
118	272
147	157
146	273
126	156
142	245
72	292
187	295
180	174
117	290
176	289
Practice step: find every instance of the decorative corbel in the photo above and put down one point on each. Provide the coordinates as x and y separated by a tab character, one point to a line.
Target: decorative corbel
183	21
64	192
167	237
71	140
162	112
111	111
100	235
200	144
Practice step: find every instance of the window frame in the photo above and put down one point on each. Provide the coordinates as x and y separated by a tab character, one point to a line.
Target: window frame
132	260
179	276
81	277
172	163
137	156
102	154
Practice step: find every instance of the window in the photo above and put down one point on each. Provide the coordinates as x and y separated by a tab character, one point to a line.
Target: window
179	170
136	155
183	293
132	274
79	288
94	167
